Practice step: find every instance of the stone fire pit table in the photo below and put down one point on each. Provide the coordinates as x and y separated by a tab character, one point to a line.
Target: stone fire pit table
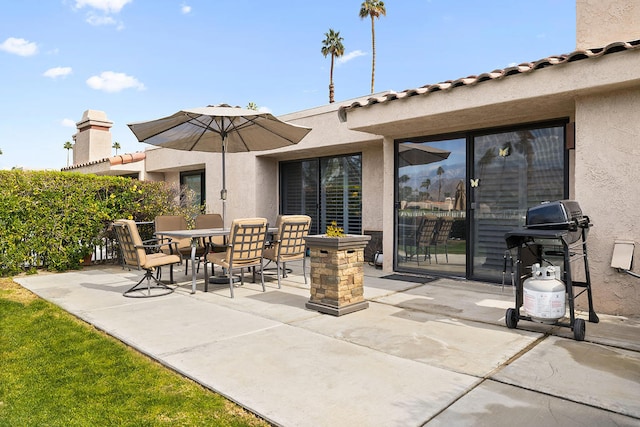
337	273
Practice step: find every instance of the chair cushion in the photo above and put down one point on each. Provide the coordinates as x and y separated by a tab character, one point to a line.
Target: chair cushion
160	259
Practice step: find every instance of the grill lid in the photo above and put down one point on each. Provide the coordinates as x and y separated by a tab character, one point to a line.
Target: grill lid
559	215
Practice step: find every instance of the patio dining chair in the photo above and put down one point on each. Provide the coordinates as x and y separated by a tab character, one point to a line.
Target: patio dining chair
212	243
425	235
441	236
289	243
212	220
178	222
135	255
244	249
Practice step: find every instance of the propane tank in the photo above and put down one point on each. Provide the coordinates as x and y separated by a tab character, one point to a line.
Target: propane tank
544	294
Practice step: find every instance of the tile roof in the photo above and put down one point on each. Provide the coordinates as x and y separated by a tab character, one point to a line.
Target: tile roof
526	67
120	159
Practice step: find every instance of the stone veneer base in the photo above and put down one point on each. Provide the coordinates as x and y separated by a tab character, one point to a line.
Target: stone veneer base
337	311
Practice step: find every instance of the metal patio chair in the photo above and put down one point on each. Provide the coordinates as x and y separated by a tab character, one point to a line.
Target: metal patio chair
245	248
289	243
425	236
134	254
441	236
178	222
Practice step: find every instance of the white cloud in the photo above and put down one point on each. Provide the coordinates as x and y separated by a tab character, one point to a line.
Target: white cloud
107	6
185	9
108	81
68	123
98	20
264	110
101	11
57	72
20	47
349	56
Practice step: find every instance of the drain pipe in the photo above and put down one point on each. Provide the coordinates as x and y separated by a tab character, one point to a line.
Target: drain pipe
630	273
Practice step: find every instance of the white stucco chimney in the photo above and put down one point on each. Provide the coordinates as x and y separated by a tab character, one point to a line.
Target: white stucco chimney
601	22
93	140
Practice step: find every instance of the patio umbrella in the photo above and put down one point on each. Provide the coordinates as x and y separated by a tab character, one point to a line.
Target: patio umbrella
411	154
220	128
460	203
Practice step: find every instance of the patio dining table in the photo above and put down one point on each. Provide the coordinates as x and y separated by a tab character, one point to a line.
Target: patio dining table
194	235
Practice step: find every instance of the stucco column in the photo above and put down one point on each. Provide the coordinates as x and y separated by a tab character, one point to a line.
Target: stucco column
388	203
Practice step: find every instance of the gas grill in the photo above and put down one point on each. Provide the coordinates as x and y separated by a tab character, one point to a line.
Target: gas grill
555	234
560	215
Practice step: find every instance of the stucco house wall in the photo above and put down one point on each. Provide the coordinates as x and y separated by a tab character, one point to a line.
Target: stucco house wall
599	22
606	183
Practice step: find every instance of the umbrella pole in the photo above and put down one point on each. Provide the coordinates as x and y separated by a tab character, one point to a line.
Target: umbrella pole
223	192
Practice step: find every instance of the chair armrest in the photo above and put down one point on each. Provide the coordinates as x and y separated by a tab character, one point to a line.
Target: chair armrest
173	246
210	247
159	239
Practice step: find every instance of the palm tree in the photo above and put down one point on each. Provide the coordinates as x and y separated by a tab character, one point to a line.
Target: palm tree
68	146
252	106
332	44
440	172
426	184
117	146
372	9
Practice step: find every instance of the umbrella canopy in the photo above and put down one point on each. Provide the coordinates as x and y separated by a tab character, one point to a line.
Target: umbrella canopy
219	128
411	154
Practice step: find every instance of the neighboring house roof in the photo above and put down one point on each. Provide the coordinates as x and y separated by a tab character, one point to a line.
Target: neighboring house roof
526	67
121	159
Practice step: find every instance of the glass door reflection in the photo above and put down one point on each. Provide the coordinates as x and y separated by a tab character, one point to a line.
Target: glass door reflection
432	205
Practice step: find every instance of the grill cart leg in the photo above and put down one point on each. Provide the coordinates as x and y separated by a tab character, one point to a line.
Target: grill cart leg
593	317
512	316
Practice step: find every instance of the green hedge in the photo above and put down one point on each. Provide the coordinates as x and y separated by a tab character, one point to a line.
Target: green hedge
52	220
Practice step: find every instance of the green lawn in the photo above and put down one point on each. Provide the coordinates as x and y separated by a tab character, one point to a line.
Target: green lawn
56	370
453	247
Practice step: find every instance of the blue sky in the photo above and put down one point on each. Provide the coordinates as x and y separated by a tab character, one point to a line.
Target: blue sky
139	60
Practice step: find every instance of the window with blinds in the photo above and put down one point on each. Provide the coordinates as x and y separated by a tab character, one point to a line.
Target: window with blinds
327	189
299	190
193	181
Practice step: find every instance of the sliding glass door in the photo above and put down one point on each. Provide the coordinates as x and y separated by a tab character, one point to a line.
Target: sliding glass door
327	189
431	209
512	172
452	214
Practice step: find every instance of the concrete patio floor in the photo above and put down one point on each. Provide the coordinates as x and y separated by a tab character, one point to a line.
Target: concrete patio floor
434	354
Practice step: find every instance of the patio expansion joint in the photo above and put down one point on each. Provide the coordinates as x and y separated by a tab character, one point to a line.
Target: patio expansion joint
206	343
564	397
489	377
